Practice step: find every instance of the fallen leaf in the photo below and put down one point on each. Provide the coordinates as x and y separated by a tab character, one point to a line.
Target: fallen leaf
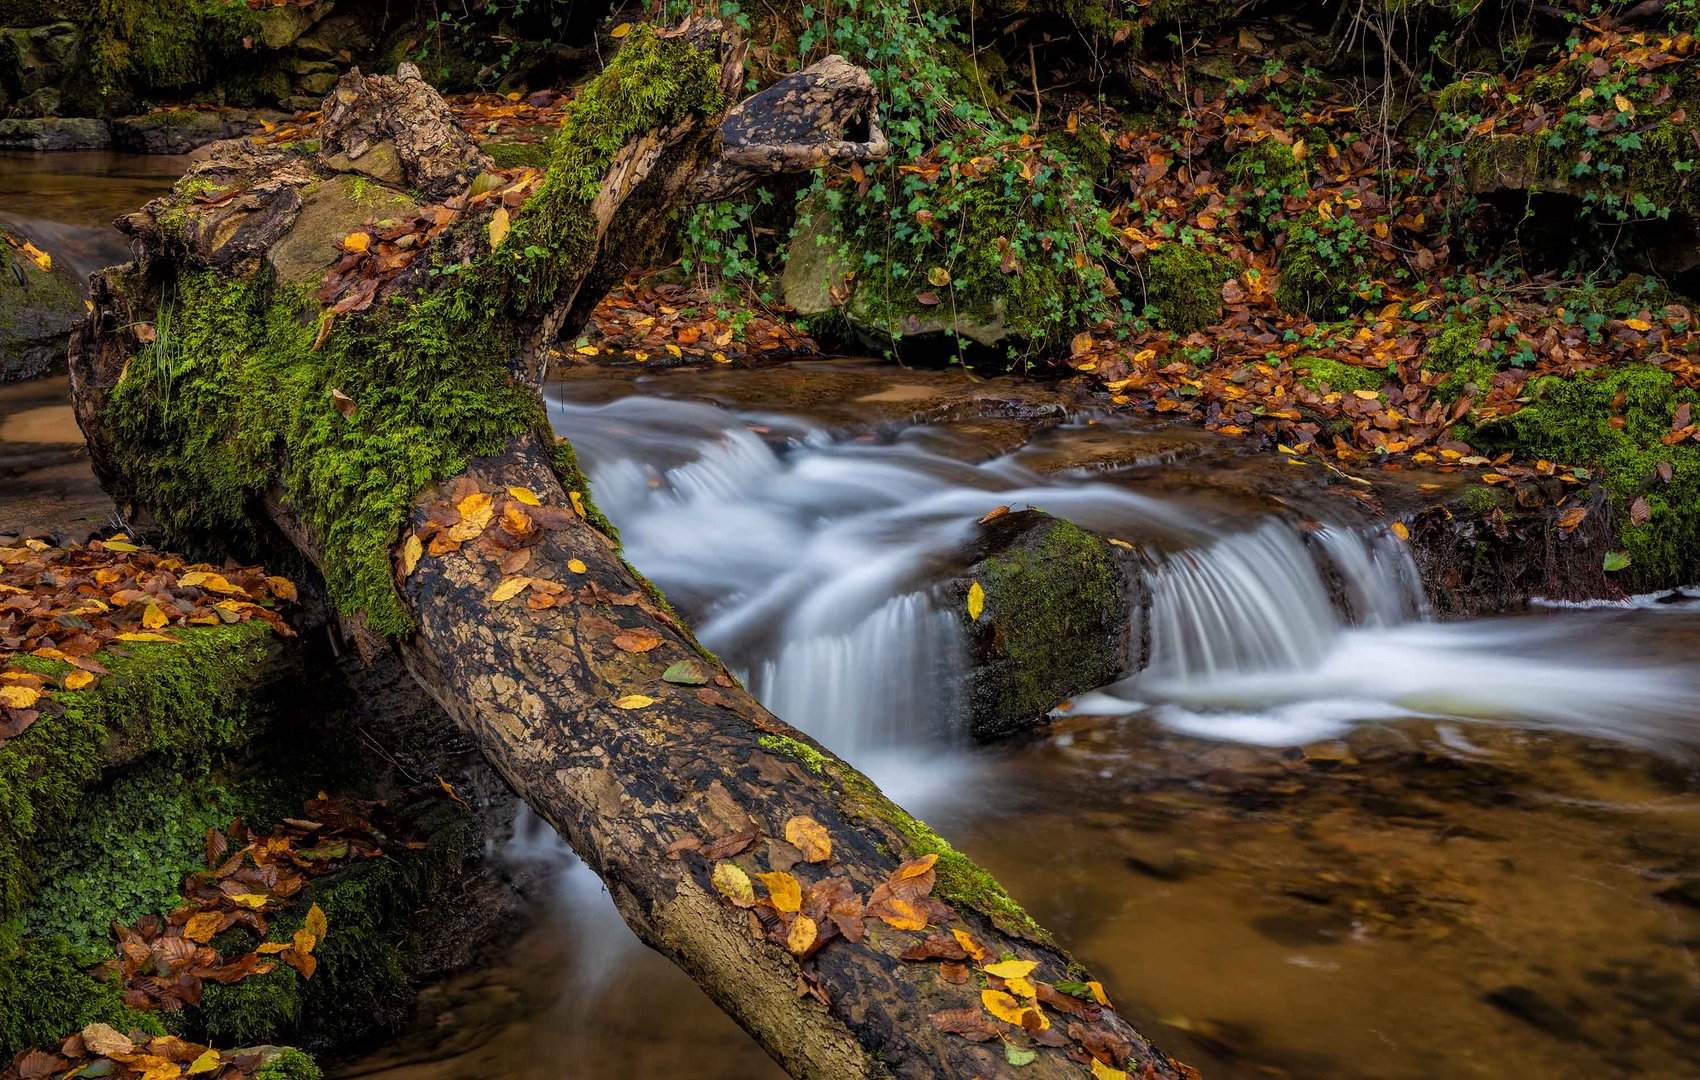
802	935
732	883
809	837
525	495
356	241
620	31
638	640
509	589
411	550
577	566
686	673
1011	969
18	697
76	680
498	228
976	601
634	701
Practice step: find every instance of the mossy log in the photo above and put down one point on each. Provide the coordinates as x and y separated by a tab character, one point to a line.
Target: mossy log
244	416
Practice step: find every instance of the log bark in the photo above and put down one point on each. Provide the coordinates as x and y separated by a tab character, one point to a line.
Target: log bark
593	700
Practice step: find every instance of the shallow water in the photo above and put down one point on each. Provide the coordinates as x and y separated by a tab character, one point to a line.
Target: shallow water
65	202
1318	836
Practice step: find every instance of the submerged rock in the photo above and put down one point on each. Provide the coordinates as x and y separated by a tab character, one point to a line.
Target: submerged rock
1054	622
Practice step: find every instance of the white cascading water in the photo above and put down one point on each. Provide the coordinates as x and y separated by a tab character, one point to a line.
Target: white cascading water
807	560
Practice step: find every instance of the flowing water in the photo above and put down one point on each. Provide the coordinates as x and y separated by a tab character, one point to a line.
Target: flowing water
1318	835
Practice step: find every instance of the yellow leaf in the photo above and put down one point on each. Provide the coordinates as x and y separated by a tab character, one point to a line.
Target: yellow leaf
1366	395
18	697
119	545
904	915
784	890
1400	530
37	256
153	618
317	922
1119	543
675	350
634	701
1623	104
970	944
721	358
357	241
411	550
577	566
142	637
1021	988
1101	1071
509	588
1638	324
207	1062
587	350
914	868
802	935
1011	969
76	680
1009	1010
250	900
939	276
734	884
976	601
271	948
1097	989
810	837
578	502
202	926
620	31
305	941
475	514
525	495
498	227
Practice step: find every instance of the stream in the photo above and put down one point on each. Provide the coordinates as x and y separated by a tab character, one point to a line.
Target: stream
1319	834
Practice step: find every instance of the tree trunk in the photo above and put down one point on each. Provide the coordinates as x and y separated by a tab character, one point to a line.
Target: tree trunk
213	408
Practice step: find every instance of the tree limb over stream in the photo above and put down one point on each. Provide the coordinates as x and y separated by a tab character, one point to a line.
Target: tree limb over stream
335	349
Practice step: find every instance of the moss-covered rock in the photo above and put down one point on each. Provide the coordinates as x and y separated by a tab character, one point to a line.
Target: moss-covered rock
1055	621
179	701
1614	419
38	308
1087	147
1323	375
1184	284
1267	166
1320	271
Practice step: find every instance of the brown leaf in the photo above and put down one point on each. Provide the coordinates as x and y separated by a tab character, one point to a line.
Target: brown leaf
972	1024
727	846
936	948
637	640
1639	512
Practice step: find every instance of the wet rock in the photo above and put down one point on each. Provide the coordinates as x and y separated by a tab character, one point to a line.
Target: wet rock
178	131
1686	893
1530	1007
1298	931
37	311
1055	620
55	133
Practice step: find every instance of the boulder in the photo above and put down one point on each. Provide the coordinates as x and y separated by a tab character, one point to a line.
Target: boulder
178	131
1056	619
55	133
38	308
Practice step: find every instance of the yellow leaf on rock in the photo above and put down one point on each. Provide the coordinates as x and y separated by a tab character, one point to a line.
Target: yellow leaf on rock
525	495
411	550
810	837
509	589
734	884
498	227
801	937
1101	1071
1400	530
357	241
76	680
634	701
620	31
1011	969
976	601
578	502
206	1063
785	891
305	941
1097	989
19	697
577	566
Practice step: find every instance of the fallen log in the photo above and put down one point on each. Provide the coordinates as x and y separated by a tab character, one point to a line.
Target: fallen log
280	372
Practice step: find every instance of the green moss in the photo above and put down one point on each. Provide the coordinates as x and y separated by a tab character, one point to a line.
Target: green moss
1653	171
139	46
1320	274
182	701
1463	98
518	155
362	984
1458	344
45	995
573	478
233	385
1480	499
1569	420
1185	286
812	759
291	1064
1317	372
1086	146
1268	164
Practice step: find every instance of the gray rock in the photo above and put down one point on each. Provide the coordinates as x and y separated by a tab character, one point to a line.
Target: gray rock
280	27
814	269
178	131
37	311
55	133
1055	622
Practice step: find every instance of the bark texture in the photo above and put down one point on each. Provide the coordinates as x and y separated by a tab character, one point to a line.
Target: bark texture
658	779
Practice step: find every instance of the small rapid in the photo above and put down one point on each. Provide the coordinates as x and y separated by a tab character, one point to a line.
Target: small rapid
809	560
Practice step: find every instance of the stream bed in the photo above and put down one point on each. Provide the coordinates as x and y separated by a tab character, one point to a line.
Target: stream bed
1319	836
